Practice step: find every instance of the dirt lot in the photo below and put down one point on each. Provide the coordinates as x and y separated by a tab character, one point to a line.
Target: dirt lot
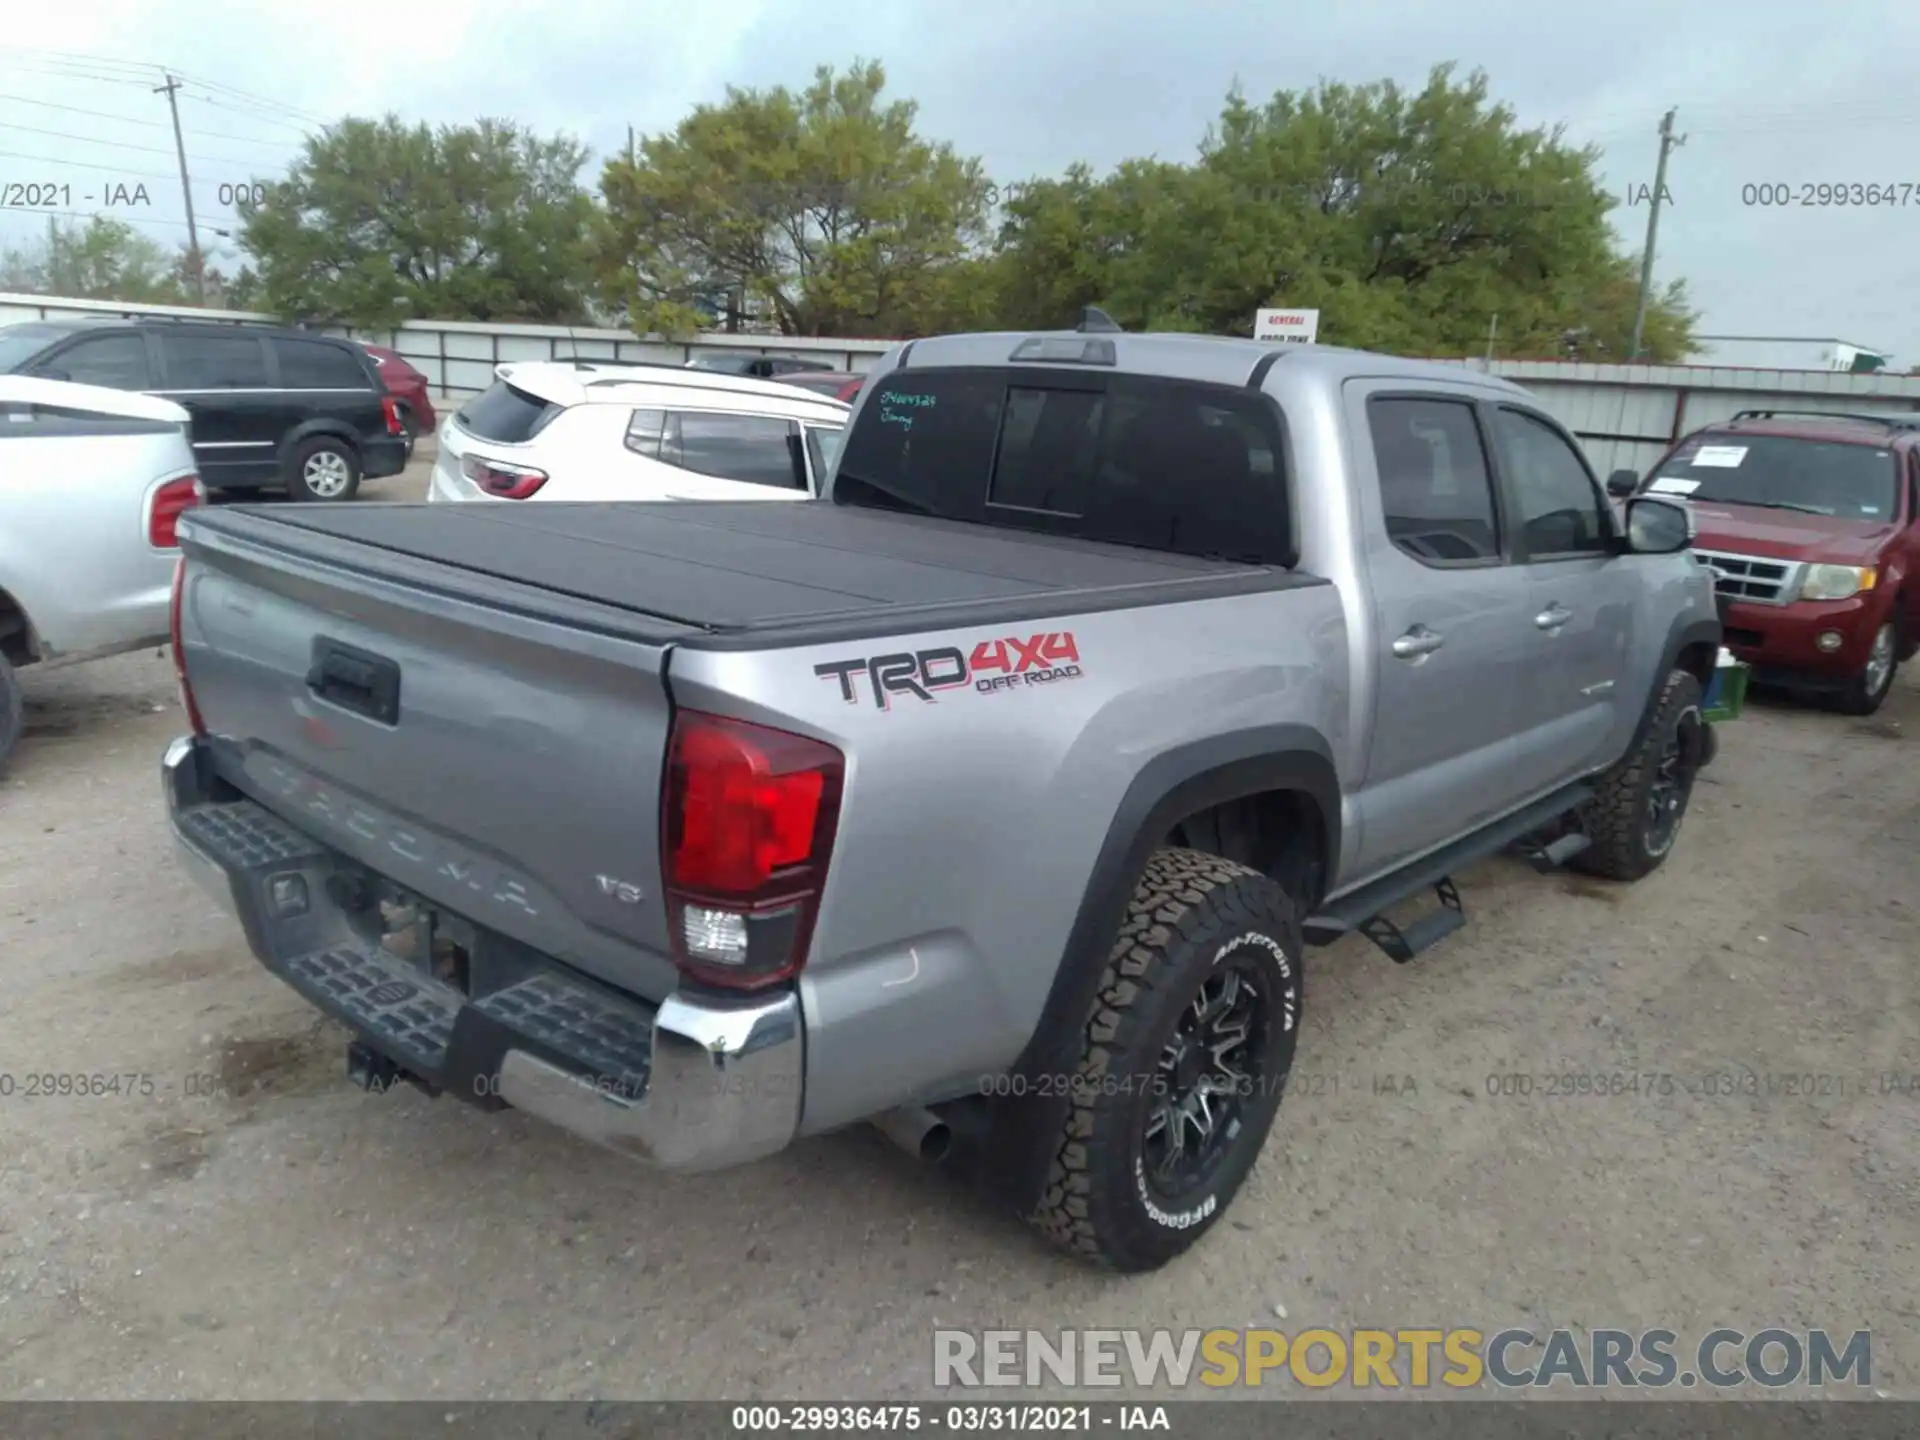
242	1223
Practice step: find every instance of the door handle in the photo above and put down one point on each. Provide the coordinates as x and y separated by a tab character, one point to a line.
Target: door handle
1417	642
1553	617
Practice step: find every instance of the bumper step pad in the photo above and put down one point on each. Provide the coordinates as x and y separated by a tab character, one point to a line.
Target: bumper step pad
427	1025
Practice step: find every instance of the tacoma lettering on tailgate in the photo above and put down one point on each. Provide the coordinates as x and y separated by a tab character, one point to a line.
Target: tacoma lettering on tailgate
1008	663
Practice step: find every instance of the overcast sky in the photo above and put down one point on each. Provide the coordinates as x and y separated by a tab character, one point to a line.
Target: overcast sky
1767	92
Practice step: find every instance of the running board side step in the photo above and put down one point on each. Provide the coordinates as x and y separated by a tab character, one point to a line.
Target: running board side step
1551	856
1402	944
1364	910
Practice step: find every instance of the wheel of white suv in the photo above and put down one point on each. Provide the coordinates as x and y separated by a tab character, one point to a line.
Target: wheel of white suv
324	469
1182	1063
1867	690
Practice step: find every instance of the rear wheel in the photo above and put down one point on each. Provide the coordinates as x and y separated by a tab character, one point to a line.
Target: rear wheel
12	711
324	469
1182	1065
1867	690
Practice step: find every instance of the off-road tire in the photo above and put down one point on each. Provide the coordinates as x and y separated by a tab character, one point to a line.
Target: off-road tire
1189	911
1859	698
1616	818
12	711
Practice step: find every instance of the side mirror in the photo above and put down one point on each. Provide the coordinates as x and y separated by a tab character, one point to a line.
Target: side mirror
1622	483
1658	527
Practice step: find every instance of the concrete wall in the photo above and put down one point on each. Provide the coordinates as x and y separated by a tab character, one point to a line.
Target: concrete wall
1625	415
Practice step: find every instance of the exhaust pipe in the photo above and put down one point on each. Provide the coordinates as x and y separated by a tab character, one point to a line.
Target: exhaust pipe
919	1132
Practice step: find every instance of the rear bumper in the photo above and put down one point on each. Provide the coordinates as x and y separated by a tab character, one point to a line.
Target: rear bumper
1783	640
383	455
695	1084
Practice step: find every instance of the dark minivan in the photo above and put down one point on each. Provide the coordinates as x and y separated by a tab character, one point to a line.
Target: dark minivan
271	408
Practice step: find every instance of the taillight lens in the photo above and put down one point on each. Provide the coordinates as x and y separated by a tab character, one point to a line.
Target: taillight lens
496	477
748	828
390	408
179	652
169	501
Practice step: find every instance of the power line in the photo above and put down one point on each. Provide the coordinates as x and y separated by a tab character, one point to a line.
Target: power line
255	115
84	165
123	145
101	215
156	124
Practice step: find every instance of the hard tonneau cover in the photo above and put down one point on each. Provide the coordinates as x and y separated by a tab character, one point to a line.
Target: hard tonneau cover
766	574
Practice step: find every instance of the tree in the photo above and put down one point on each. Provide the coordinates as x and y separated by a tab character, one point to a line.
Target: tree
379	221
824	210
102	259
1408	219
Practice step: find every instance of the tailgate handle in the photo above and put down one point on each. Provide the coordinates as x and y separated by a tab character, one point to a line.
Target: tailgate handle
356	680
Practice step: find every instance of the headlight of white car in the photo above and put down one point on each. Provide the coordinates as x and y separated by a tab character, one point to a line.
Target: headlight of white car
1836	582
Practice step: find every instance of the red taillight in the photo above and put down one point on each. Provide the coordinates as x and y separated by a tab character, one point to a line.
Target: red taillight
390	408
179	652
747	831
496	477
169	502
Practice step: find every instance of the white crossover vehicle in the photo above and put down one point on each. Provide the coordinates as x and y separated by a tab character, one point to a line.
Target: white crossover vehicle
92	483
559	430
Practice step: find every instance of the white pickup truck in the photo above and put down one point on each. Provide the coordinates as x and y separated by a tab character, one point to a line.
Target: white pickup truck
92	483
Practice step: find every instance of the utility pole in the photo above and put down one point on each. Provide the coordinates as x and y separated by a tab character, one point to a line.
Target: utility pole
1668	142
629	144
194	261
1493	329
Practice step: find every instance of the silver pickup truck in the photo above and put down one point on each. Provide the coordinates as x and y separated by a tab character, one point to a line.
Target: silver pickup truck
992	798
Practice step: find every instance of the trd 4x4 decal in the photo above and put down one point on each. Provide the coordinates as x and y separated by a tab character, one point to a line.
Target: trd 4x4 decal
1009	663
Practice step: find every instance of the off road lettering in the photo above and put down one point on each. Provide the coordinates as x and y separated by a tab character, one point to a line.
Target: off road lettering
1009	662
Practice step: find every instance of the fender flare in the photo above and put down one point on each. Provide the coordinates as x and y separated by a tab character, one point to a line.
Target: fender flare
1685	632
1172	786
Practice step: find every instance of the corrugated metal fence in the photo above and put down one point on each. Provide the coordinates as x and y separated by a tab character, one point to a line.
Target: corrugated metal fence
1626	415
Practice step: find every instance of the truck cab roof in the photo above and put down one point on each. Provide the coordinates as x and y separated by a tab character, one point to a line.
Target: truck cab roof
1207	359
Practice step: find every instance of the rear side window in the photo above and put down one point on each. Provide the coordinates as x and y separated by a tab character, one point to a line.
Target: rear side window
215	362
314	365
1169	465
116	361
756	449
506	415
1436	491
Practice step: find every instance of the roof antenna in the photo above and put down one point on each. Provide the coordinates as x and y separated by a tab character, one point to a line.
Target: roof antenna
1095	321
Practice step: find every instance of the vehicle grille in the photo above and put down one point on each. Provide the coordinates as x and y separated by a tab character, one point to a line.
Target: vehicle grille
1752	578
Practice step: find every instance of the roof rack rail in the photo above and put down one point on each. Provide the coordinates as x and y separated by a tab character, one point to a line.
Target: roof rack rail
1892	422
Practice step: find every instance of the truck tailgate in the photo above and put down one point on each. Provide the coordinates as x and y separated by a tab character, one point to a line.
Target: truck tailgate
515	777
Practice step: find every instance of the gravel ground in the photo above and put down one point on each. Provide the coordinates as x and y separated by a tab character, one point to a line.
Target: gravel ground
246	1224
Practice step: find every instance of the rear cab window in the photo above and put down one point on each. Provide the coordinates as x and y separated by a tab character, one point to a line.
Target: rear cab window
1170	465
506	415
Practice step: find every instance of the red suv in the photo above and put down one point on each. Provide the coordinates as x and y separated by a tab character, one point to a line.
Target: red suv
409	389
1810	522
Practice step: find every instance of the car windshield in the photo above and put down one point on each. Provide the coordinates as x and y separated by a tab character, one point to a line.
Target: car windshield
1783	472
20	343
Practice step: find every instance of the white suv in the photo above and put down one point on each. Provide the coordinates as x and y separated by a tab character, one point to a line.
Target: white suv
575	430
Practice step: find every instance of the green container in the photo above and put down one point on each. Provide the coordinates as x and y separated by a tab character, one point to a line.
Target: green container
1727	694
